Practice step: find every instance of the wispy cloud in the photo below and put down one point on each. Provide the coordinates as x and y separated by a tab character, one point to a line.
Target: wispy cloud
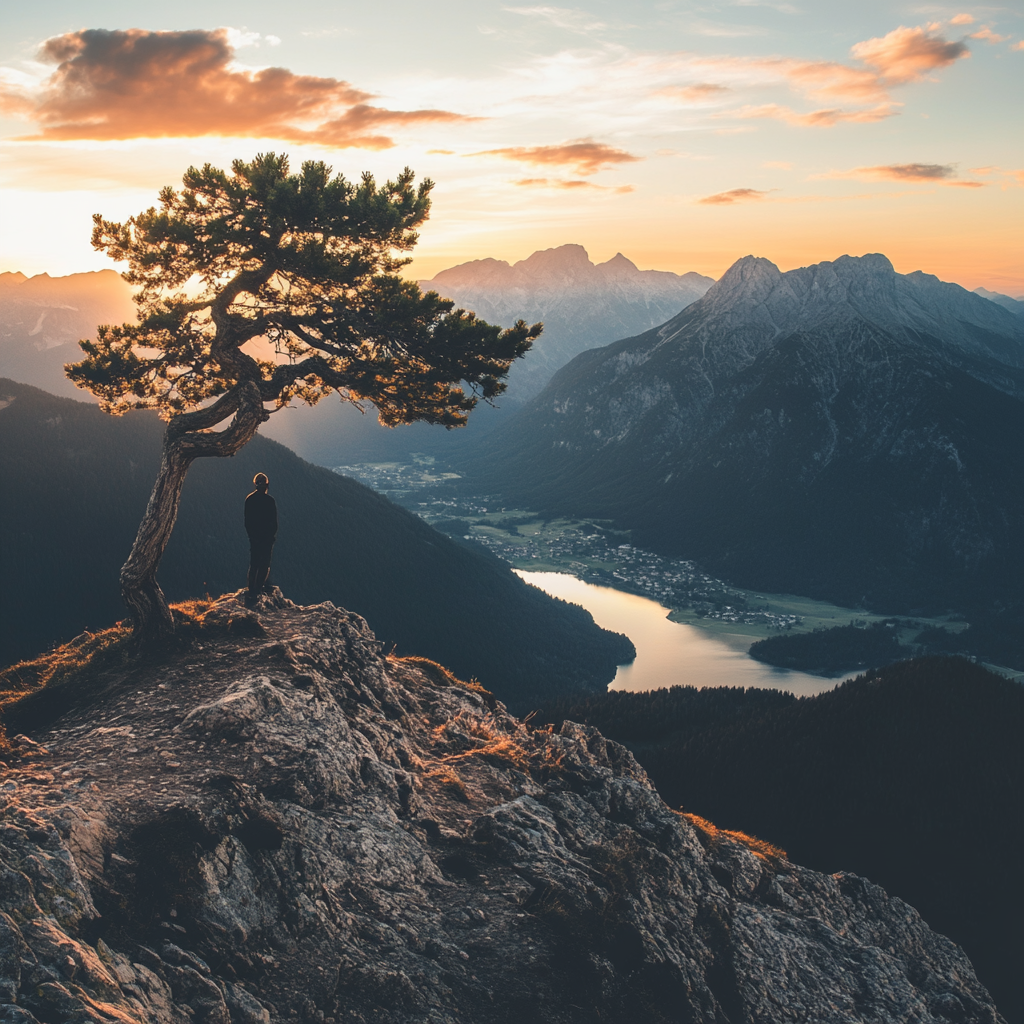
571	184
823	118
569	18
734	195
986	34
943	174
585	156
858	92
962	19
702	92
139	84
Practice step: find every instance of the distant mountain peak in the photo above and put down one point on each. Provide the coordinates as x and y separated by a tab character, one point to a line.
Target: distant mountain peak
619	267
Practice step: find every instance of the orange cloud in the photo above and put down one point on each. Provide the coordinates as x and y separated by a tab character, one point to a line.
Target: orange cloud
734	195
585	156
908	54
962	19
824	118
820	78
699	93
140	84
903	55
569	184
1018	46
988	35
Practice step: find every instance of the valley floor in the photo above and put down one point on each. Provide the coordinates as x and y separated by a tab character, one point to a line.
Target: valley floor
595	552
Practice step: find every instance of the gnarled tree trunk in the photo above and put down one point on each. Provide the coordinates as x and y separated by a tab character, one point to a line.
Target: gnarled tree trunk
188	437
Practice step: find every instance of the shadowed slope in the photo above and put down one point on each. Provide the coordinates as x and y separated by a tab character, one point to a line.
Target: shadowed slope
81	481
910	775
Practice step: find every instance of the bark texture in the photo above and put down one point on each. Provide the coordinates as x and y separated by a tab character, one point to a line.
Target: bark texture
188	437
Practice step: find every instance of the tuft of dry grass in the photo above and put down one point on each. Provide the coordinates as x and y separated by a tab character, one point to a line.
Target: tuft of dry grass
449	781
440	675
711	835
58	666
62	668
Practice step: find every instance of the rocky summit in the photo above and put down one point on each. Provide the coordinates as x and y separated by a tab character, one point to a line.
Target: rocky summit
275	820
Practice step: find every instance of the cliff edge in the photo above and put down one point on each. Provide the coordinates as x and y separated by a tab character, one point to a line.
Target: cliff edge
275	821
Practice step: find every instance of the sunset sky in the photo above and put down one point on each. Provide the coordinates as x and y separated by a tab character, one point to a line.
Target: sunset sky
684	135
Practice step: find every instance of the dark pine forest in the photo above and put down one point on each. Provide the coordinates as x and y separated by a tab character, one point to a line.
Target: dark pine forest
911	776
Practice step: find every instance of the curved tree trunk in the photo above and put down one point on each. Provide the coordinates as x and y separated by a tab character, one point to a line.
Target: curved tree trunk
188	437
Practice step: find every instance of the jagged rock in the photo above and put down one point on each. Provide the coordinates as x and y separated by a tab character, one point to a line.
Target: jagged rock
296	827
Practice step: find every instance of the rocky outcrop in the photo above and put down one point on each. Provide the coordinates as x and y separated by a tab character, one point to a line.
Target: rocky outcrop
276	822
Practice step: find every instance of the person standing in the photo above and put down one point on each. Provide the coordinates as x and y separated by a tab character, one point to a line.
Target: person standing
261	526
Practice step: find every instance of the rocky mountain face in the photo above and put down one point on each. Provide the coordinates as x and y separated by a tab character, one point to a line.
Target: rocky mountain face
275	821
582	305
840	430
42	319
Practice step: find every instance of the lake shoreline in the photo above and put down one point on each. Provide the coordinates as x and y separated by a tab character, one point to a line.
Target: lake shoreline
671	653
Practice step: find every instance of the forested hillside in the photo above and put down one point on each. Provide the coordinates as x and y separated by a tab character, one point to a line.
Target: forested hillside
910	776
76	483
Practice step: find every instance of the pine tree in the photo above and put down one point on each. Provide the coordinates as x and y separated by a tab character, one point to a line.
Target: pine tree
258	288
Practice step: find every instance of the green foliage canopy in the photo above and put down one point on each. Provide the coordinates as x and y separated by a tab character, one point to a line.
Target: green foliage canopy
306	266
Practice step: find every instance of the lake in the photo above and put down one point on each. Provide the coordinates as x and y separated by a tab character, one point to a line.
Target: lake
670	653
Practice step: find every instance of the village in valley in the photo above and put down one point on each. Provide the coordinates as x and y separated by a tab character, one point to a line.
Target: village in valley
589	549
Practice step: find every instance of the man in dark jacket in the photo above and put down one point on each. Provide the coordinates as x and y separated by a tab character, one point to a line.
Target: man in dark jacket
261	525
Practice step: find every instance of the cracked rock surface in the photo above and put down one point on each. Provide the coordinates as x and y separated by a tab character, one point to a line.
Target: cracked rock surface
278	822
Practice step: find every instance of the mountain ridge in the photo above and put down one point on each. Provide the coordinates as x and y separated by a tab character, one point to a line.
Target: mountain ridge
582	306
781	412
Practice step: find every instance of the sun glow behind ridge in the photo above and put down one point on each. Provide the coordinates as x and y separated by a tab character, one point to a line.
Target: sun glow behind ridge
682	142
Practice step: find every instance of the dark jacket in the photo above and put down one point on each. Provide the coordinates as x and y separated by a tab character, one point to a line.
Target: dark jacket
261	517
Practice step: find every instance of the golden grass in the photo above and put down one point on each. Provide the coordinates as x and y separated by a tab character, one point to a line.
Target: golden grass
713	835
449	780
61	665
444	677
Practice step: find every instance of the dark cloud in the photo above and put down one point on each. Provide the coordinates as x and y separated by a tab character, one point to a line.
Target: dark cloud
910	172
946	174
140	84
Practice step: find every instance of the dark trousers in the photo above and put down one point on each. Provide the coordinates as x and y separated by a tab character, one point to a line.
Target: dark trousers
259	563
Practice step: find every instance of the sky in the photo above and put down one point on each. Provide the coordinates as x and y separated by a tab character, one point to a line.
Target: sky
683	134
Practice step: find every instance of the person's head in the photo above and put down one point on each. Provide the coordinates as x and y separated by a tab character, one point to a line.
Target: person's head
260	481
